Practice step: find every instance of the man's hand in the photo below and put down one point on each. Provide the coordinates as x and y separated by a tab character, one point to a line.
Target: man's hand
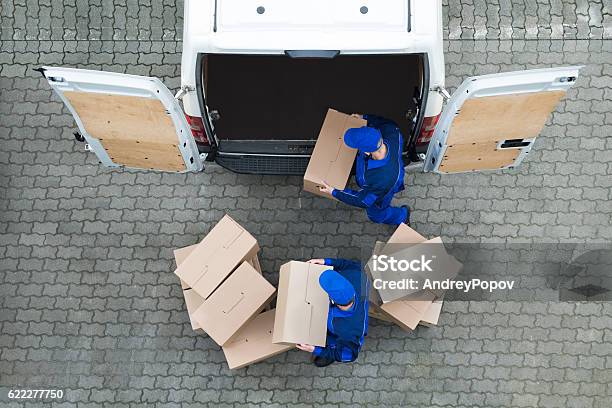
317	261
305	347
326	188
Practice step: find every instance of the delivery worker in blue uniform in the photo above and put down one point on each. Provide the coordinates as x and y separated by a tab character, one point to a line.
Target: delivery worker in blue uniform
379	171
347	320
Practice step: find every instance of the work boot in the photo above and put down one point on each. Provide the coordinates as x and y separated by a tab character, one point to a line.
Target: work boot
322	361
407	220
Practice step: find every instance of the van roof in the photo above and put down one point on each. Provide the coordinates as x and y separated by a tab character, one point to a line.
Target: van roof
273	26
290	15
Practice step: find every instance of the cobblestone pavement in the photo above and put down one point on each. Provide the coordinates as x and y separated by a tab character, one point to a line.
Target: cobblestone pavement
88	300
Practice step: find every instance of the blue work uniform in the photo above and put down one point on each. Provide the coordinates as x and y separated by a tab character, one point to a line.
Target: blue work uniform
379	180
346	330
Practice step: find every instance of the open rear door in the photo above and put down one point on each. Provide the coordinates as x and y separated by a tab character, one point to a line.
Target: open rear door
492	121
127	120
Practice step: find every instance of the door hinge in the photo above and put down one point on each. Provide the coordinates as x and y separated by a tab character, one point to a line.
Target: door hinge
442	91
183	91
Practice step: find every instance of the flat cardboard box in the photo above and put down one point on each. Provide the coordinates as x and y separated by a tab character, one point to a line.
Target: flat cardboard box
403	316
375	314
240	298
444	267
193	302
225	247
407	314
374	301
192	299
405	235
253	342
331	159
180	255
255	264
302	305
432	314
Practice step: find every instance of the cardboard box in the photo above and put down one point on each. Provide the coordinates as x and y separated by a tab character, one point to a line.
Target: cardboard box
375	314
225	247
255	264
404	313
432	314
374	300
240	298
443	265
405	235
302	305
407	314
331	159
253	342
374	303
192	299
193	302
180	255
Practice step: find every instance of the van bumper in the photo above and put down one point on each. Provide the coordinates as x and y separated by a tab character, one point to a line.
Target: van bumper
294	165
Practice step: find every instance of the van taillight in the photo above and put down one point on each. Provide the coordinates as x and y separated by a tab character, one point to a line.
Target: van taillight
197	129
427	129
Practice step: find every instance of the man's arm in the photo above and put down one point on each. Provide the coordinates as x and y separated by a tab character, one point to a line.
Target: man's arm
340	263
342	351
356	198
376	121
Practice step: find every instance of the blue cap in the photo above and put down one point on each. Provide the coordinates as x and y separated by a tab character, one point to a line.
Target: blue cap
366	139
337	287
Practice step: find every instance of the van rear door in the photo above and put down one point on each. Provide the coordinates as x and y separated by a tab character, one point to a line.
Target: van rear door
492	121
127	120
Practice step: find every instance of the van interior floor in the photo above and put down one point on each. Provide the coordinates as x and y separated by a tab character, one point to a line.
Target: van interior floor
282	98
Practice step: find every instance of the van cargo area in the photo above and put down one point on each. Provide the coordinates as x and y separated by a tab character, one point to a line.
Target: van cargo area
279	98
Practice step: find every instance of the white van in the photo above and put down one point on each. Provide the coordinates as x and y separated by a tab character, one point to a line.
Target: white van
258	76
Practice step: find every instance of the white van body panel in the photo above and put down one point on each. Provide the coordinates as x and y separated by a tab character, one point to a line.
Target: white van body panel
291	15
235	27
87	82
529	82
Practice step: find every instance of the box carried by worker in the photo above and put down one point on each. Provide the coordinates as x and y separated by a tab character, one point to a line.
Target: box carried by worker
225	247
301	305
332	160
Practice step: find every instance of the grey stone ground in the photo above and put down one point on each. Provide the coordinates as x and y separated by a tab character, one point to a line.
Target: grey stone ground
88	300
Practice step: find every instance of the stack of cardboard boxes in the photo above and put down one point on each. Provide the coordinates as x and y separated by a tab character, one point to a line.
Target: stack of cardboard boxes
225	293
407	308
